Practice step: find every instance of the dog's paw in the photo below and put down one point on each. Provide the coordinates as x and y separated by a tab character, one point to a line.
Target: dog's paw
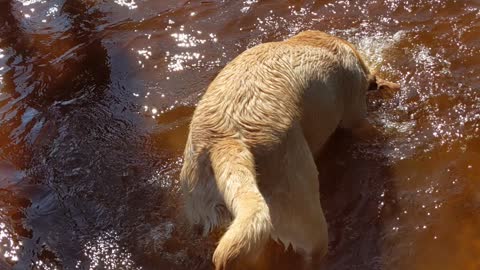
224	256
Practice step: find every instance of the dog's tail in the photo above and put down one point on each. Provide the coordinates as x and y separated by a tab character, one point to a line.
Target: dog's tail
234	169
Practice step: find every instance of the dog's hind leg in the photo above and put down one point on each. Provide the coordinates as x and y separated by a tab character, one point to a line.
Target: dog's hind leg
297	215
203	204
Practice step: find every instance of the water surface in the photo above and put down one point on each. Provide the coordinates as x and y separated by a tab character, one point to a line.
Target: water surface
95	99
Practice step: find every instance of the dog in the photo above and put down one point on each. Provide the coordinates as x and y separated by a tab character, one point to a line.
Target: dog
249	157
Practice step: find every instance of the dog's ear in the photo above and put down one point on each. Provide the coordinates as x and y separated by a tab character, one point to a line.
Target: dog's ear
384	89
384	85
372	82
377	83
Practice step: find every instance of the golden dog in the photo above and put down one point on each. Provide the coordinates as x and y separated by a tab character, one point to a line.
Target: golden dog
249	157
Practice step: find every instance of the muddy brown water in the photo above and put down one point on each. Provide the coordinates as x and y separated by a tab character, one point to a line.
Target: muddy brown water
95	99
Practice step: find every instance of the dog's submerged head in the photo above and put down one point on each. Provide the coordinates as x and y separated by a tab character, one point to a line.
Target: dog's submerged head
378	89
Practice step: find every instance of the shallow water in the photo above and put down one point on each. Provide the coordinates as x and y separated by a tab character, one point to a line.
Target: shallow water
95	99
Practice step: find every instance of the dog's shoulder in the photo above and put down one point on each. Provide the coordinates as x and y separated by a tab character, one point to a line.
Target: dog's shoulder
315	39
326	42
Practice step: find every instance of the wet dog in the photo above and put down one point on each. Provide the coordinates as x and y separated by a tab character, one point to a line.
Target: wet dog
249	158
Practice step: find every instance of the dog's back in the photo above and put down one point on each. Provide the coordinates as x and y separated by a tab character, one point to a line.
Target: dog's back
254	134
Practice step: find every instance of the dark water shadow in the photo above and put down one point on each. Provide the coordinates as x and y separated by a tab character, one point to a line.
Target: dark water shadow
356	195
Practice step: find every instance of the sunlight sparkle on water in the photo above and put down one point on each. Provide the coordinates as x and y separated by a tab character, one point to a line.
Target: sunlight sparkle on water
187	40
2	68
53	10
247	5
9	248
30	2
187	59
42	265
165	176
178	61
127	3
145	52
105	252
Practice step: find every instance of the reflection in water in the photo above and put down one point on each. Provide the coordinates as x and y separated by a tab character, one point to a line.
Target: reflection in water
96	97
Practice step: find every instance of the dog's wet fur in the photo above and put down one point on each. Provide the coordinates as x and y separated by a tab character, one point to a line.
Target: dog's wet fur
249	159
